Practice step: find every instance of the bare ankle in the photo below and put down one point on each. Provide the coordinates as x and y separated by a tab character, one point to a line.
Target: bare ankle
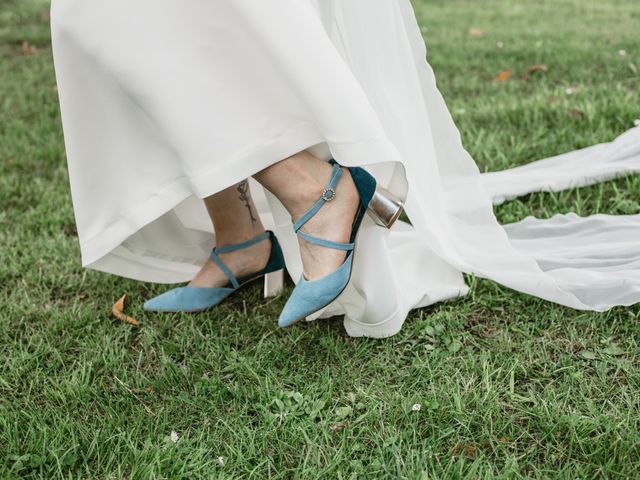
297	181
232	236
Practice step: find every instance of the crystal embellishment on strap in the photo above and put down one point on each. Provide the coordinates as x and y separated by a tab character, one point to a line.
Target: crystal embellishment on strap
328	194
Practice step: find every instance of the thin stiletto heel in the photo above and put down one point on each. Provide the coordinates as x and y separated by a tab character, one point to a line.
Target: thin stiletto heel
384	207
273	283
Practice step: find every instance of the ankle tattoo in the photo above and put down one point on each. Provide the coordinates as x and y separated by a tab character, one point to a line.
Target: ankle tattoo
243	189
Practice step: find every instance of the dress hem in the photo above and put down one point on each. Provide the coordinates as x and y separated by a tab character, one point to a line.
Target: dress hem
96	251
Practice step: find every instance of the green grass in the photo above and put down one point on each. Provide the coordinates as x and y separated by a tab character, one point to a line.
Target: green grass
510	386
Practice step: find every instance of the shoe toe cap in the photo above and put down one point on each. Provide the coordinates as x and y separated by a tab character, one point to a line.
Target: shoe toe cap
310	296
290	314
164	302
187	299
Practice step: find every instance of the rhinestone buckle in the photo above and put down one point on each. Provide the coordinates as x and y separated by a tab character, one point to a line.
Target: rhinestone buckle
328	194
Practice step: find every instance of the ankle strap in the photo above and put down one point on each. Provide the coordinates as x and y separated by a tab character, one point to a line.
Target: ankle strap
239	246
232	248
328	195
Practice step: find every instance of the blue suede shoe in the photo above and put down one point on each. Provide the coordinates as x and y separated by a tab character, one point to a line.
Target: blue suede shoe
197	299
310	296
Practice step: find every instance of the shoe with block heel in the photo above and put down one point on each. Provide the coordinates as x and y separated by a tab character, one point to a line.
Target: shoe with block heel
310	296
196	299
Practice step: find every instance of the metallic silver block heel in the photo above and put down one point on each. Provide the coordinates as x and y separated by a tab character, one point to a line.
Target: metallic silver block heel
385	207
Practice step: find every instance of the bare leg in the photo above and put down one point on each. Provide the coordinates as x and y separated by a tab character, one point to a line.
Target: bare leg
298	182
235	220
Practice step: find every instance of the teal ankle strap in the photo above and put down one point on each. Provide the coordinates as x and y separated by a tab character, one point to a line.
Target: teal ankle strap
325	243
232	278
328	195
239	246
232	248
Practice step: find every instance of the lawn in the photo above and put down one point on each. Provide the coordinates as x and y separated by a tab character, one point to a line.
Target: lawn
508	386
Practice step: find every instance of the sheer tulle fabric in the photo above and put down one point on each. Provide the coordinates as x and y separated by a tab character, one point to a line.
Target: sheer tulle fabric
213	91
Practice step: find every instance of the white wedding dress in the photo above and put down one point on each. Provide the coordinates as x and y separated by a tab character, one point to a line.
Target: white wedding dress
165	102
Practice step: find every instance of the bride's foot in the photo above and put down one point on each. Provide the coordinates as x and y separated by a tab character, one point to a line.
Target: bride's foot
342	222
333	222
222	277
242	263
326	202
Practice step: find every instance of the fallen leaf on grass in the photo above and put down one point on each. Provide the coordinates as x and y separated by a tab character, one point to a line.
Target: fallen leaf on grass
534	70
502	76
27	49
118	312
538	67
475	32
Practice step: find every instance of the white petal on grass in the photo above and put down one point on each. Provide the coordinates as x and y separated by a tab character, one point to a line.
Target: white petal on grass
622	53
221	461
416	407
174	436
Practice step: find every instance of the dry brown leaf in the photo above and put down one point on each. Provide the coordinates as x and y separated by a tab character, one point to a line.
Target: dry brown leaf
27	49
502	76
538	67
475	32
118	312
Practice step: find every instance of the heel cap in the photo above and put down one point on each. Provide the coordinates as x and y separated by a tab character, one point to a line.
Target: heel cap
273	283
